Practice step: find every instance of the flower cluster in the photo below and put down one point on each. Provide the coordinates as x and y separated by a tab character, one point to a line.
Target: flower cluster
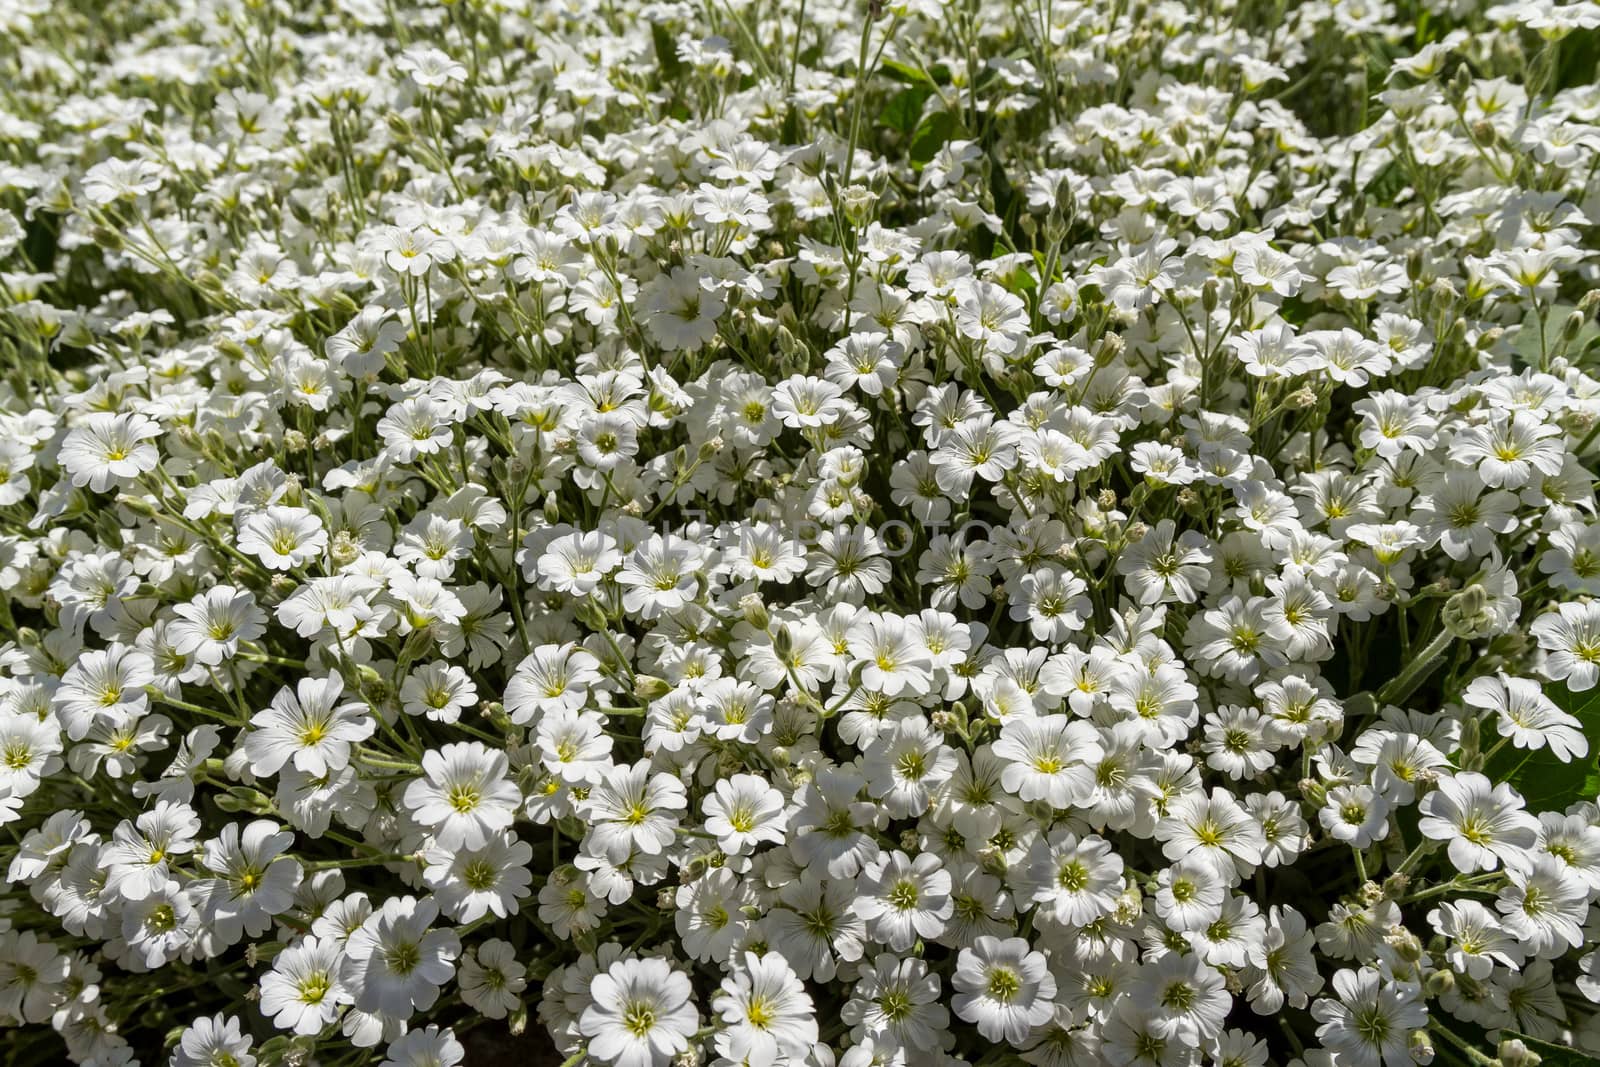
831	534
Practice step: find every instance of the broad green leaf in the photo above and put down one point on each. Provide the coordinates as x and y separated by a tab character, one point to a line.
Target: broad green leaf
666	52
1526	343
930	136
905	72
904	109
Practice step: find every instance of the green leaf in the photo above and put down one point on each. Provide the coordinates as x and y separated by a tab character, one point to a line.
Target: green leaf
1526	344
1545	782
905	72
930	136
904	110
1553	1055
666	51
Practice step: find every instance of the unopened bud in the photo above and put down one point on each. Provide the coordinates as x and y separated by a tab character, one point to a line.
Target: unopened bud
1513	1052
1109	349
106	238
1571	328
858	201
1404	942
649	687
1440	983
754	611
589	613
1466	613
1420	1046
136	504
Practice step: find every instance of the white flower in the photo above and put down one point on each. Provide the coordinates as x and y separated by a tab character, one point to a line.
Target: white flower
904	899
1003	988
1527	717
1075	881
1371	1021
111	180
138	860
1478	940
395	963
283	538
1215	829
1571	637
896	1002
641	1013
471	882
679	311
1355	814
303	992
744	811
107	449
211	1040
430	68
427	1047
633	808
491	979
1182	999
307	725
1049	758
211	626
253	879
1544	906
767	1015
1483	823
465	796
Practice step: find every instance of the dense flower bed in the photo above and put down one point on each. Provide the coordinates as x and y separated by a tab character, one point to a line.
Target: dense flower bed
807	533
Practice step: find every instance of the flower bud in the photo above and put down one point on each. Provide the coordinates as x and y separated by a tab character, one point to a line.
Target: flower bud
590	614
136	504
1514	1053
1440	982
649	687
1466	613
1420	1046
107	238
1404	942
1571	328
754	611
1109	349
858	201
1313	791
